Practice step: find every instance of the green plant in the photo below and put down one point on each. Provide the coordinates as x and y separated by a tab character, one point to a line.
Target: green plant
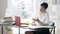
8	28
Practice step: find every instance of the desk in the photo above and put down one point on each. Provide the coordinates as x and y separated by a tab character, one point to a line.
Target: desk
34	27
2	26
23	30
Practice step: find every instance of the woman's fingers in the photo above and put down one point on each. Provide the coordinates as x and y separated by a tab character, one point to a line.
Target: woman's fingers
34	19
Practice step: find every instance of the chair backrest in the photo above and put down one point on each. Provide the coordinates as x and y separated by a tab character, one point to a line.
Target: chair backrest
51	23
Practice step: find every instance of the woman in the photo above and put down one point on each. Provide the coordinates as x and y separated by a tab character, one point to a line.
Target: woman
42	19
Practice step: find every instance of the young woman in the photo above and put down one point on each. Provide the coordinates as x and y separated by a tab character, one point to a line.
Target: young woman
43	19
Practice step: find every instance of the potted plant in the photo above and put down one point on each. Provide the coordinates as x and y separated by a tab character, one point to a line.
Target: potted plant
8	30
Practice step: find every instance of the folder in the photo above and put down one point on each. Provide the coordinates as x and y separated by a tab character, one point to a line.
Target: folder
17	20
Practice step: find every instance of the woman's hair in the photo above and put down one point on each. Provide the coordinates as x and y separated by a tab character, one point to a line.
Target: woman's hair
45	5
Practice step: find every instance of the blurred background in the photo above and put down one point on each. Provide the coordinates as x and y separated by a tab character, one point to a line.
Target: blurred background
25	9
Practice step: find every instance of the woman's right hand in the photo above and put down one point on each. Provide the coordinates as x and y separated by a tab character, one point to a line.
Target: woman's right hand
36	19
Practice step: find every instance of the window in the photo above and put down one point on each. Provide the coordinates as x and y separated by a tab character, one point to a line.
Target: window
22	8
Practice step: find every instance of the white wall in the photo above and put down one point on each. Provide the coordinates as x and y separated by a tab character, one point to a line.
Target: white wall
3	5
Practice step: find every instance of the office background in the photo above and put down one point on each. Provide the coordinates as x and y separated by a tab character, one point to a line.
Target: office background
25	8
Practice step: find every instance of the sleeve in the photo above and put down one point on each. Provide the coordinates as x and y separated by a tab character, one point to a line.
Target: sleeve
44	20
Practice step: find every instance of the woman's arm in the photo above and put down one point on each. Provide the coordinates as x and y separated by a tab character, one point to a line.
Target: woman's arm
43	21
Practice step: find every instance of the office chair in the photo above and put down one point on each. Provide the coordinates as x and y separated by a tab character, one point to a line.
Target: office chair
52	29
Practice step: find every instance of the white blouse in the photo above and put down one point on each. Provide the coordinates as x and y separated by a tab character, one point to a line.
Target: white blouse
43	17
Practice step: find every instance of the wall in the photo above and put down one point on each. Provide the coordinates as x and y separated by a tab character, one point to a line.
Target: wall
3	5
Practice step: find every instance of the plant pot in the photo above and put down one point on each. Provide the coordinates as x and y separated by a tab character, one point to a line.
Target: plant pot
9	32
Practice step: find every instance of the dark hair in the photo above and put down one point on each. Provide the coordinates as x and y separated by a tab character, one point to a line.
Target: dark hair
45	5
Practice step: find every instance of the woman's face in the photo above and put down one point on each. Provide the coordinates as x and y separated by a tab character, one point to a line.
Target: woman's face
42	9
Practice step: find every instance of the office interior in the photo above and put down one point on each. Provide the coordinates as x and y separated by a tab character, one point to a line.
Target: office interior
9	9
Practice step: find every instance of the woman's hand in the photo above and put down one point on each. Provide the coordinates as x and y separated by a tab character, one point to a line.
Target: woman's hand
36	19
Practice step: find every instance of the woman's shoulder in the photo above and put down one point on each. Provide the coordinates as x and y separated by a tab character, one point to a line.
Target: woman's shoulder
46	13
